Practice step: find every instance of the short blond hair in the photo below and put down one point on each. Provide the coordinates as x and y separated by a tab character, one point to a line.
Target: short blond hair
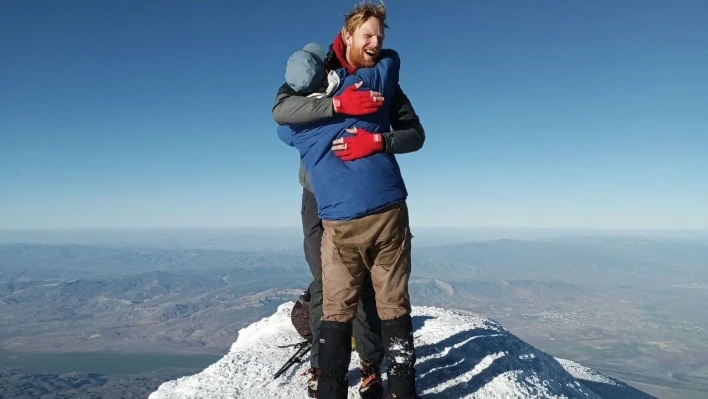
361	13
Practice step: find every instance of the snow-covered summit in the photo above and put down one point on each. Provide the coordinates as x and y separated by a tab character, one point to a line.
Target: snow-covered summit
459	356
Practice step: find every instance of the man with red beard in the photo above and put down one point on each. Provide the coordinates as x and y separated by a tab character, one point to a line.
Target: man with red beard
359	45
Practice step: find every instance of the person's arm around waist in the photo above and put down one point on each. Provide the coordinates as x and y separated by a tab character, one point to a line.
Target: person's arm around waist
408	134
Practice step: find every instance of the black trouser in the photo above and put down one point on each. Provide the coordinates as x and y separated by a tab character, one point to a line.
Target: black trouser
366	325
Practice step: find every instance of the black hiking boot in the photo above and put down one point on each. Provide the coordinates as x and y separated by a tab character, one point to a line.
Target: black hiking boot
370	387
400	357
334	357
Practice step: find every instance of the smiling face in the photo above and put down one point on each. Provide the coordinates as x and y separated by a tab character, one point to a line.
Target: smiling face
363	34
364	43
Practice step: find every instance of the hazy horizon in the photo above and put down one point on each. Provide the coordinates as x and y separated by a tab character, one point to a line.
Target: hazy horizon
286	238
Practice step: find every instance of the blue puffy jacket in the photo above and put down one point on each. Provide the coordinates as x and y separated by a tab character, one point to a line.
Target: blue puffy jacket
347	190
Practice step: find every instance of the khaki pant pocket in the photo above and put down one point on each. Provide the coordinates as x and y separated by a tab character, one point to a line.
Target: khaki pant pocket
389	253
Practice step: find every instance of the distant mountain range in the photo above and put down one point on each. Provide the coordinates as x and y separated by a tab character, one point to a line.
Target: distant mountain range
607	300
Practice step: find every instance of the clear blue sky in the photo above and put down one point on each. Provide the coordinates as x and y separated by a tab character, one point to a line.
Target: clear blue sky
548	113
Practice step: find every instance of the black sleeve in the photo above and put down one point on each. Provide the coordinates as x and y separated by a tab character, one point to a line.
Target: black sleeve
407	134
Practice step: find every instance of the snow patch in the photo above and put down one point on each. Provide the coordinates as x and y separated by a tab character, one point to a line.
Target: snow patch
581	372
459	356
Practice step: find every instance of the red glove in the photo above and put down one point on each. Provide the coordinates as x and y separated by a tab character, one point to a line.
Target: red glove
354	102
361	145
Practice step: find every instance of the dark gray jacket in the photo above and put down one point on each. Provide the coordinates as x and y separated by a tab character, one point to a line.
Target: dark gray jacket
406	135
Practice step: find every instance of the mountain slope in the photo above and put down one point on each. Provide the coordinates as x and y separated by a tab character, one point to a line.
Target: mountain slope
459	356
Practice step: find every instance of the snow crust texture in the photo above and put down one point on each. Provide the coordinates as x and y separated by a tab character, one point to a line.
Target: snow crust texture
458	356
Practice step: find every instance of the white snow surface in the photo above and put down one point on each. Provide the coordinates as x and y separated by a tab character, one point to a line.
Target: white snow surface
458	356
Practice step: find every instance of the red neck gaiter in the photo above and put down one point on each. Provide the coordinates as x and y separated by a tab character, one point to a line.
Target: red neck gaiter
340	51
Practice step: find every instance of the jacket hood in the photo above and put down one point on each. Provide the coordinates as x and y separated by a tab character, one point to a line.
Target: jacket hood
337	55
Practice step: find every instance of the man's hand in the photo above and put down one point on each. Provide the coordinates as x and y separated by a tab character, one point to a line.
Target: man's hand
354	102
361	145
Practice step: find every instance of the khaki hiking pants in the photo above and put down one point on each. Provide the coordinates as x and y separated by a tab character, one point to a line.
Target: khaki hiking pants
379	242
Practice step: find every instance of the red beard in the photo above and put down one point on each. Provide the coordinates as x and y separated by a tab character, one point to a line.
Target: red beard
357	58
